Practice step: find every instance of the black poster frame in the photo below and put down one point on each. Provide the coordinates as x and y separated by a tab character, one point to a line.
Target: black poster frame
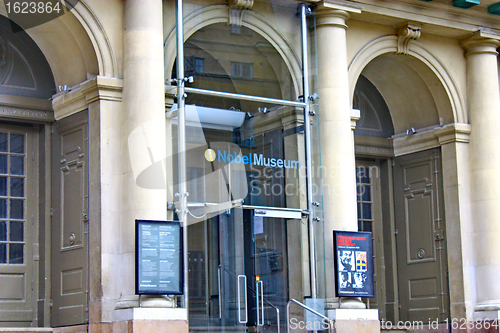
138	264
353	258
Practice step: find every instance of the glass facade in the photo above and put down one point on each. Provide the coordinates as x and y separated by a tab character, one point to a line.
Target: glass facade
248	212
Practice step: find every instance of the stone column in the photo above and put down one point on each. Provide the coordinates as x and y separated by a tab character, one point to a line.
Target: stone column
484	115
143	134
337	140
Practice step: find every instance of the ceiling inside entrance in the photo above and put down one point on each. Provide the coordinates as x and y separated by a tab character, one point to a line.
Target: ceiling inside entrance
414	95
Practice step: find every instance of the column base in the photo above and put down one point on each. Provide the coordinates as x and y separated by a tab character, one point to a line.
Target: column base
355	320
147	320
487	306
351	303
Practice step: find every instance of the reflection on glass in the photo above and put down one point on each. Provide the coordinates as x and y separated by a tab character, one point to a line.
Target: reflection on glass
16	187
367	226
17	165
3	208
3	230
17	143
16	209
3	253
3	186
367	211
3	163
16	253
16	231
366	194
4	145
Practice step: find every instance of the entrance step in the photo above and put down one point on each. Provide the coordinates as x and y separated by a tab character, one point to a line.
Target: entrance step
26	329
200	329
441	328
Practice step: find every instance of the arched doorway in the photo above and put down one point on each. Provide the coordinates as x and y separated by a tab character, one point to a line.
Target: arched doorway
244	161
400	184
26	84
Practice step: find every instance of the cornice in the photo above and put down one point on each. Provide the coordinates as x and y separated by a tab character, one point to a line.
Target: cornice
96	89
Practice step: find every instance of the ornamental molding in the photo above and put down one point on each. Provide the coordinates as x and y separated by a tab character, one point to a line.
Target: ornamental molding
236	8
372	149
16	112
406	34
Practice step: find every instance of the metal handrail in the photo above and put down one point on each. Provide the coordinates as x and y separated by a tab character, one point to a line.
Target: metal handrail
330	327
265	299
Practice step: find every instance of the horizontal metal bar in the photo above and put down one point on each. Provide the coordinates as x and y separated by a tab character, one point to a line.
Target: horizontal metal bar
272	208
244	97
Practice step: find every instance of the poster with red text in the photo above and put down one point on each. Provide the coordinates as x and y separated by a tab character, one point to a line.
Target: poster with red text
353	264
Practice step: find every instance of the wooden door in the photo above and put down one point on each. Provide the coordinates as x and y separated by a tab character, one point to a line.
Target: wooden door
420	240
368	188
70	221
18	227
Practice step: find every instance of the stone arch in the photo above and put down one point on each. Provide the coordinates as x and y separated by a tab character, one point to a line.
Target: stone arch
75	40
252	20
448	102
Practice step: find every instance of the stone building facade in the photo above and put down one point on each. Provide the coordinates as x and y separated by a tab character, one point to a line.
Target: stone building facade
398	138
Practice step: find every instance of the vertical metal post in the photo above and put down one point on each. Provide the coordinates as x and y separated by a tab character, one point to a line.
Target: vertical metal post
182	143
307	130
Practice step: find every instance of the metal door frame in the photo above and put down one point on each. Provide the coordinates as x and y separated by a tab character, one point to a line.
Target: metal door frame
305	104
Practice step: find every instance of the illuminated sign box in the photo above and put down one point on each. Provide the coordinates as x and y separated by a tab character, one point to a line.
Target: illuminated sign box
353	252
158	258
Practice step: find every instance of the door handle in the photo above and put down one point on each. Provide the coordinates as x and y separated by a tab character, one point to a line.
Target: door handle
220	296
242	278
259	287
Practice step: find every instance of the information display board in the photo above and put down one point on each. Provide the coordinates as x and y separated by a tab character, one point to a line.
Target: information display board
353	253
158	258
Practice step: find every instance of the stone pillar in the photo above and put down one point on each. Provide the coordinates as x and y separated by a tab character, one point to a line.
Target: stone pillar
484	115
143	160
337	140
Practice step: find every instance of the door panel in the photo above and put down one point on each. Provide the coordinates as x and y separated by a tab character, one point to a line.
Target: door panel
69	222
368	190
18	227
422	265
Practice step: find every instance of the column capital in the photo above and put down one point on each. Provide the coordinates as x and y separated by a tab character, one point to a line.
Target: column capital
332	14
481	42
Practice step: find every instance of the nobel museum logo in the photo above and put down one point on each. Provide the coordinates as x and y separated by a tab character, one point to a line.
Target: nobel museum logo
210	155
249	159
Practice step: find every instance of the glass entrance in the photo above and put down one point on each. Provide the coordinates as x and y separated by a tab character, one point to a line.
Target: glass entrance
248	211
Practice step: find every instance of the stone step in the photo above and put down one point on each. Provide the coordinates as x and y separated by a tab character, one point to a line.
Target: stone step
26	329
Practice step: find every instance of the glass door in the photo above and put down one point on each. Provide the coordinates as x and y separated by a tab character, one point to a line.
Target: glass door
242	132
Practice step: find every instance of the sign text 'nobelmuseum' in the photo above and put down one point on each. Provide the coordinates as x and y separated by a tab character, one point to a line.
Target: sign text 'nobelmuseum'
256	159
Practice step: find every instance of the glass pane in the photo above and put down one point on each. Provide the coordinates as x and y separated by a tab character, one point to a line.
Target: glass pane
3	208
359	211
3	186
16	231
3	253
16	209
16	187
16	253
3	142
367	226
17	143
367	211
366	193
3	164
3	230
17	165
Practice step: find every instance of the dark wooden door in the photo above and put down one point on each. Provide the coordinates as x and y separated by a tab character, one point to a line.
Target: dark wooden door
420	240
70	221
